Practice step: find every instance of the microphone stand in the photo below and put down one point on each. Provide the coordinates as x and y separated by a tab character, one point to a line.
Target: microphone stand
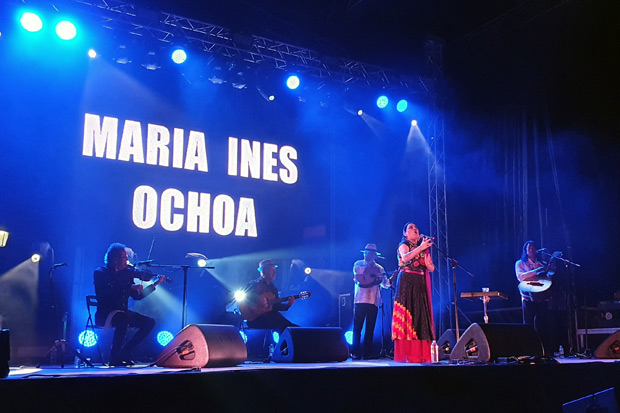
184	268
571	307
60	346
454	263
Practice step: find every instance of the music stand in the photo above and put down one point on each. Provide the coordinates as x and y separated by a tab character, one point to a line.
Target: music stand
485	296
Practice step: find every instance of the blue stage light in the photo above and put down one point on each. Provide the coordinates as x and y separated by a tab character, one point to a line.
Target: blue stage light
87	338
164	337
348	336
179	56
92	53
292	82
31	22
401	106
414	123
276	337
382	101
66	30
243	336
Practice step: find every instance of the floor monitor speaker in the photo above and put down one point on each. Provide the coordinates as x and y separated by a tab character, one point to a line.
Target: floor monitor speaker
204	345
311	344
609	348
483	343
446	343
5	353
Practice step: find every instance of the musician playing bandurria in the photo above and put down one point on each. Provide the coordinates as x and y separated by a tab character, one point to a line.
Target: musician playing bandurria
114	284
259	292
412	320
368	276
528	267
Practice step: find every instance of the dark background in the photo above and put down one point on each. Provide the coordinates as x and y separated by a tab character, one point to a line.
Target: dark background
528	94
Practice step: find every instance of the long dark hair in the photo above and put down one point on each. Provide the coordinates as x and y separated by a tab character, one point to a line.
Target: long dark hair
524	251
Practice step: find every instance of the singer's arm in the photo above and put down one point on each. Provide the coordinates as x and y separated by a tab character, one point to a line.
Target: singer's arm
523	273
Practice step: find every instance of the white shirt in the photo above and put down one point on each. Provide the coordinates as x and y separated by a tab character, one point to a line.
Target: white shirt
370	295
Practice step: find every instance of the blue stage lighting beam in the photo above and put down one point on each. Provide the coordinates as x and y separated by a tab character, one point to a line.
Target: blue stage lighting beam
382	101
66	30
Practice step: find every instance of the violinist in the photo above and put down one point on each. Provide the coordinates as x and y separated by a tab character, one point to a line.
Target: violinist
114	284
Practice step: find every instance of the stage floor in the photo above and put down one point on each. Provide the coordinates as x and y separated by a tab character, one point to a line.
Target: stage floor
344	386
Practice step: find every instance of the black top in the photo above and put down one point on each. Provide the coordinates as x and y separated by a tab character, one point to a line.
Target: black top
113	289
258	286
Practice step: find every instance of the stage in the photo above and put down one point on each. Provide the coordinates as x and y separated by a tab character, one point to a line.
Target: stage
345	386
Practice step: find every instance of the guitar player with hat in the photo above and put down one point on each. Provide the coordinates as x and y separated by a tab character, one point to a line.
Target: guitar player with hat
535	287
262	306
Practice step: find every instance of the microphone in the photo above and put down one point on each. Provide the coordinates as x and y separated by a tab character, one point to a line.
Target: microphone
145	262
541	249
427	236
60	264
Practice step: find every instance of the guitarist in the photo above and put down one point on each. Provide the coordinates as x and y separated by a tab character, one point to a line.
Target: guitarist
528	268
259	294
368	276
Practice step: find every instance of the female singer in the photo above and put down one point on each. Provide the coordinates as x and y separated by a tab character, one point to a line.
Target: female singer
412	320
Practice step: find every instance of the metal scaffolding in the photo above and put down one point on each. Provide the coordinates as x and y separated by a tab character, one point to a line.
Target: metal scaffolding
437	203
121	17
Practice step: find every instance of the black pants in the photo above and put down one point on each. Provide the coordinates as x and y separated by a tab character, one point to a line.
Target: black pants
536	314
121	321
272	320
363	312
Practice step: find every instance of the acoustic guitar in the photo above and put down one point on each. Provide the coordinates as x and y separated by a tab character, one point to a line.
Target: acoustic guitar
252	309
537	289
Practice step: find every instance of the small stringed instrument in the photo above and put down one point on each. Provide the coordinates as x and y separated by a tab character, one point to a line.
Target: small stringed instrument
538	288
252	309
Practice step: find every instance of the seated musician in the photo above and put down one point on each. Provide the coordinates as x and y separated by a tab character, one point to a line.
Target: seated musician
114	284
535	309
259	308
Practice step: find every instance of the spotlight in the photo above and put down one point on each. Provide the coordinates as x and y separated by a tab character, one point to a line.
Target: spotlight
414	123
401	106
179	56
307	270
348	336
292	82
66	30
151	62
360	112
382	101
201	262
35	258
4	238
239	295
31	22
87	338
276	337
92	53
122	55
164	337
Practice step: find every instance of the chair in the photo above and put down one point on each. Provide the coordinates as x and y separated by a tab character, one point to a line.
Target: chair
91	301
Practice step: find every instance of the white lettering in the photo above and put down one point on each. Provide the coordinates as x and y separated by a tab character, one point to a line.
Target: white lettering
196	155
131	142
157	141
232	156
144	211
200	212
289	173
269	162
250	159
198	208
171	198
102	140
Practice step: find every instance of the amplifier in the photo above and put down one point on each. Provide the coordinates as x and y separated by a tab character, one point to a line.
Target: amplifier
608	313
